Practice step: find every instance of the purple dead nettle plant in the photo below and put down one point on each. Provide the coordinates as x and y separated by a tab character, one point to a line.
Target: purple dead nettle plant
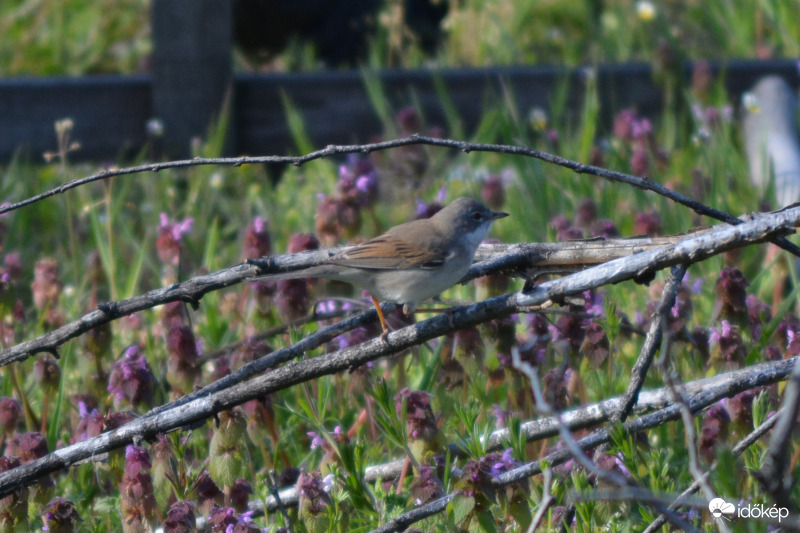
428	209
60	516
91	422
314	491
47	288
329	443
29	447
183	360
207	493
634	135
493	192
358	181
131	379
136	491
731	297
10	412
426	486
180	518
338	219
714	431
293	298
170	239
647	223
222	519
228	448
240	495
258	243
14	506
421	427
727	348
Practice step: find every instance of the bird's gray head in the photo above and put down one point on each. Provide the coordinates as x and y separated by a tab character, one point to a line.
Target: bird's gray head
464	216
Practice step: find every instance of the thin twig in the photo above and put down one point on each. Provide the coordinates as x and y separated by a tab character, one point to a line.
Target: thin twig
737	450
273	489
687	415
466	147
608	476
652	342
547	500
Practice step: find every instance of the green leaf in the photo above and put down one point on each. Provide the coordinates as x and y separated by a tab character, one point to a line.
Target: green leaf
486	521
461	507
521	512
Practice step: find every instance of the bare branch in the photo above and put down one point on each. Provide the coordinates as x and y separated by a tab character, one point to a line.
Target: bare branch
690	249
652	342
466	147
687	415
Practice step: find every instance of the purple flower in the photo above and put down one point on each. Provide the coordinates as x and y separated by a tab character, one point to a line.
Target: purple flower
623	124
131	378
427	210
170	238
257	242
180	518
493	192
505	463
316	440
714	430
420	420
426	486
731	300
27	446
10	411
641	128
183	362
648	223
176	229
60	515
314	496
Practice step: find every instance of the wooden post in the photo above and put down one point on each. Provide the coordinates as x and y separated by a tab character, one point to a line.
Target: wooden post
192	68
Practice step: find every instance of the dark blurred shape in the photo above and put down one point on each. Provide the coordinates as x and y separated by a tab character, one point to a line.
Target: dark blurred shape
339	29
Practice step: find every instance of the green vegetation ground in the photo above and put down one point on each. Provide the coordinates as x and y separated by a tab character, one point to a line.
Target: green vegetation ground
104	242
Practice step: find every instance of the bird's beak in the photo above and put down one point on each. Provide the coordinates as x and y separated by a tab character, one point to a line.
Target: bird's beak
498	214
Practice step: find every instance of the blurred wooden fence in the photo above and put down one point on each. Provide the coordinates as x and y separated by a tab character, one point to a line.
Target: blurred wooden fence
192	76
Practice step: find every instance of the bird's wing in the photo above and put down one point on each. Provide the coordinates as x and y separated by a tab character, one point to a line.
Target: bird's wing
388	252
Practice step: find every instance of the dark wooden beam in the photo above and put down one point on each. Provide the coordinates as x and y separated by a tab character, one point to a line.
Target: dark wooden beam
110	113
192	68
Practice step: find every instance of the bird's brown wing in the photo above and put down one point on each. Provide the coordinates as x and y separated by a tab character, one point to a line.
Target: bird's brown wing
388	252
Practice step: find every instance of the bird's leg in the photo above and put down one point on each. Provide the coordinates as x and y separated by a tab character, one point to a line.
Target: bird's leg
381	317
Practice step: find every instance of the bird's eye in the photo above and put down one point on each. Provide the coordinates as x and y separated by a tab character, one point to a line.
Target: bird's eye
477	215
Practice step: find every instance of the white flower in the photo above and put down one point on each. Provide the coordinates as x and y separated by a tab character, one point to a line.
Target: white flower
646	11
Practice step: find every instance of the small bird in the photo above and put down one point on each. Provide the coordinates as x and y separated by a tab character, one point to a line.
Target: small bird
413	261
